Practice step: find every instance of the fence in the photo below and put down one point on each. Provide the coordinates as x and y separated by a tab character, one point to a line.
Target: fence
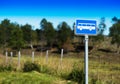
30	54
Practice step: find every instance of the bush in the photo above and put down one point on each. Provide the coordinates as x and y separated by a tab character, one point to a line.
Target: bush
28	66
6	68
77	75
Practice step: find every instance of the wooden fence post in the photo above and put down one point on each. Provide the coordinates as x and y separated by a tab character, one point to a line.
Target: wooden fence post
33	56
6	54
47	57
61	57
11	54
19	55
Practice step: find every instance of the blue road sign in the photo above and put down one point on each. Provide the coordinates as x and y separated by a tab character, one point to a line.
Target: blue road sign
85	27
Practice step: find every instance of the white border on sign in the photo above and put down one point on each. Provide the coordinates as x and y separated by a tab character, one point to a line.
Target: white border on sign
83	33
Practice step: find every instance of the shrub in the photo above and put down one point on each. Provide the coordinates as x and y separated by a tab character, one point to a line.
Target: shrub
28	66
6	68
77	75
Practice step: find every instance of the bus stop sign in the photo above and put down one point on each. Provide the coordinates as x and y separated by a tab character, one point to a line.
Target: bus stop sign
85	27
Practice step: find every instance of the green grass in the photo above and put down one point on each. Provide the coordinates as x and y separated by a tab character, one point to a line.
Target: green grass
30	78
27	78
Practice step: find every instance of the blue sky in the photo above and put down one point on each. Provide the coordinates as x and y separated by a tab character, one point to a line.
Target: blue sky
56	11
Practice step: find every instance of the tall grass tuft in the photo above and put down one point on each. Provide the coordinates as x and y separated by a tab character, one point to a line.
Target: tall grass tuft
77	75
6	68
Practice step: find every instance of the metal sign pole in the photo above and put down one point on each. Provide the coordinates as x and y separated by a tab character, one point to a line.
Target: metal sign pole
86	59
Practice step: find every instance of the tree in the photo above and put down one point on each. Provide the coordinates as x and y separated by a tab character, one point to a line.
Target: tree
33	37
115	34
38	31
16	40
115	20
101	26
43	23
64	35
5	31
48	32
28	34
97	40
27	31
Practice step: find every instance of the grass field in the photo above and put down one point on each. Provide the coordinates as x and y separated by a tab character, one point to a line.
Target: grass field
26	78
104	68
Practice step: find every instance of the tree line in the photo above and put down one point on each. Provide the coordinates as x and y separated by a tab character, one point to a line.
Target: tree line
15	36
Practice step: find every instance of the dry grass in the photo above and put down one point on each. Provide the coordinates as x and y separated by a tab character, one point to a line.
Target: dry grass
103	68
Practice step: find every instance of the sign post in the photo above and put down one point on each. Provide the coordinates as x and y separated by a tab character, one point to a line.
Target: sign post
86	27
86	59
